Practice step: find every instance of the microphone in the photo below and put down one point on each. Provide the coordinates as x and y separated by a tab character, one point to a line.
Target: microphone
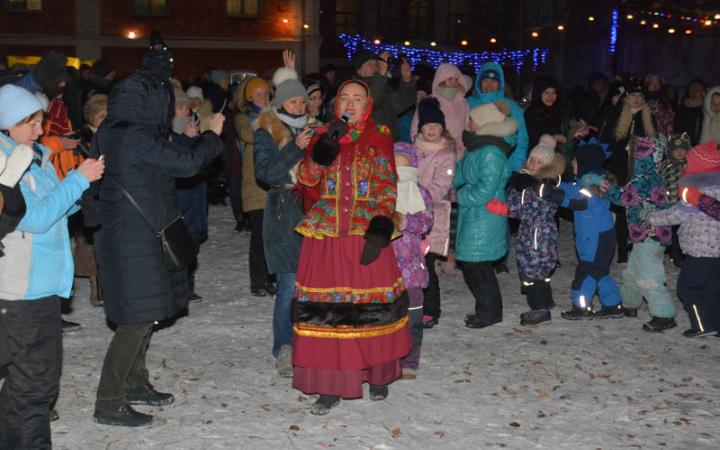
341	126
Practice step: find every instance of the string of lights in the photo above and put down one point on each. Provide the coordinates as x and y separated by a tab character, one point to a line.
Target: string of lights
517	58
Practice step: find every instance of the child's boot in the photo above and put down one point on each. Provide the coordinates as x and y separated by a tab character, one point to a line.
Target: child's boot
614	312
535	318
578	313
658	324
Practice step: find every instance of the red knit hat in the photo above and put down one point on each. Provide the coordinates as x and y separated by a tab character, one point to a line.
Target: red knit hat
703	158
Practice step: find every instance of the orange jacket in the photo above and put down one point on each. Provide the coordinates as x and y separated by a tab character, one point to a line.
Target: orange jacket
64	159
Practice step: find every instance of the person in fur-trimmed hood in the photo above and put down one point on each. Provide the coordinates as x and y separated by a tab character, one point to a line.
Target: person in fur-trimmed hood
699	281
711	120
280	141
480	182
537	240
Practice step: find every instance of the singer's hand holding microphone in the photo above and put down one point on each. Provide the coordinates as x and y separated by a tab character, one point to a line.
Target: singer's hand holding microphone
327	147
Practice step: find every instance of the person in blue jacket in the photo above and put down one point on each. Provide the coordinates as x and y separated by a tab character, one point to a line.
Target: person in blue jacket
595	237
35	271
490	88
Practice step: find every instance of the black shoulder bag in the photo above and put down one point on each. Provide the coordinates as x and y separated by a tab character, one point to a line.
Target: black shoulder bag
178	246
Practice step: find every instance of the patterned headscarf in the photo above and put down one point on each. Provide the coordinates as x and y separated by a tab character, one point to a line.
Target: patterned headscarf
357	128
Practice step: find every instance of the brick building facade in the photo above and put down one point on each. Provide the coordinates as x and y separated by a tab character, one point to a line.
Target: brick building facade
232	34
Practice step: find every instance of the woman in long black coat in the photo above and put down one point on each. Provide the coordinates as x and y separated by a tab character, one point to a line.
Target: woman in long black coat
139	289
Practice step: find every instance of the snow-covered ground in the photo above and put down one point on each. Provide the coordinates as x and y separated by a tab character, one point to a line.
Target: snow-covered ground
570	385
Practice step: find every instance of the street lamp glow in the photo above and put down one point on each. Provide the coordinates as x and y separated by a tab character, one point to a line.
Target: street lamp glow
433	44
688	31
534	34
717	16
131	35
656	26
708	23
591	19
407	43
463	42
561	27
306	26
493	41
671	30
285	21
630	17
376	42
643	22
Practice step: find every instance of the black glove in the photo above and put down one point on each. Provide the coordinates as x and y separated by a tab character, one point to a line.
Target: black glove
13	209
377	237
327	148
548	191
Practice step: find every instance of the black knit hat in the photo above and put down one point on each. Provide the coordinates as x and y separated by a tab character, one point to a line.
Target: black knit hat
361	57
429	112
590	156
50	71
102	68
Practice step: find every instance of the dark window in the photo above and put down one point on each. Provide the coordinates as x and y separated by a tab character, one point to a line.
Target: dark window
418	18
24	5
246	8
391	27
346	16
151	7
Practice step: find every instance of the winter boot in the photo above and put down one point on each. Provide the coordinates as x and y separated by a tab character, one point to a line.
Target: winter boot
577	313
658	324
694	333
429	321
630	312
95	292
192	296
284	362
475	321
614	312
124	416
378	392
535	318
324	404
147	395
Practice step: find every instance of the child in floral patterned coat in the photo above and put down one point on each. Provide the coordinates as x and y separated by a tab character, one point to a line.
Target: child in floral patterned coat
644	276
414	205
537	238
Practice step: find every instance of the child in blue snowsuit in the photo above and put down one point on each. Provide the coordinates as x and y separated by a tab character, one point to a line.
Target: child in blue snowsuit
595	237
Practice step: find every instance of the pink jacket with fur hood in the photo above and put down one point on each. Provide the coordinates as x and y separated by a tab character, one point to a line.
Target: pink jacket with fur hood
436	167
456	110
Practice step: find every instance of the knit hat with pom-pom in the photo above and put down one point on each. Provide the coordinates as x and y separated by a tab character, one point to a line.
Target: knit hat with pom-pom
545	149
287	86
429	112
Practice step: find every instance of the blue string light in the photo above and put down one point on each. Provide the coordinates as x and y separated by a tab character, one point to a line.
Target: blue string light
614	32
415	55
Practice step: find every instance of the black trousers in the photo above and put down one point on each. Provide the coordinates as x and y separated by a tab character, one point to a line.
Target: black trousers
33	377
622	233
699	289
258	266
480	278
431	301
539	294
124	367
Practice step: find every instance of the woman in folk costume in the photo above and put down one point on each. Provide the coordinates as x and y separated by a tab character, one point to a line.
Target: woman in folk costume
350	311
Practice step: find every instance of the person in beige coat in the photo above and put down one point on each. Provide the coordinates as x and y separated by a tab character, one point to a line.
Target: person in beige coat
255	98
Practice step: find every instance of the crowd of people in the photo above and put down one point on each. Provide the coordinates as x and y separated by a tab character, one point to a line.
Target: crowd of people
358	196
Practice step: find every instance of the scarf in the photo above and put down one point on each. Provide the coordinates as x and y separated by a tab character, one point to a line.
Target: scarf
447	93
255	108
296	121
409	199
57	115
422	144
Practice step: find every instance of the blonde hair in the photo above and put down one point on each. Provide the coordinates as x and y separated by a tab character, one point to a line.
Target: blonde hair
94	105
622	129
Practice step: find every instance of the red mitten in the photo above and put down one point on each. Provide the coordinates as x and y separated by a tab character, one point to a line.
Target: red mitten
497	207
689	194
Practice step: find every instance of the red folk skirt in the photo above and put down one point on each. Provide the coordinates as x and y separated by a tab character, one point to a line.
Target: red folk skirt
337	360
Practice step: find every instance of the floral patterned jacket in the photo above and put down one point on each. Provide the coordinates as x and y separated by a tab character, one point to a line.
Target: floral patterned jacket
361	183
408	251
643	195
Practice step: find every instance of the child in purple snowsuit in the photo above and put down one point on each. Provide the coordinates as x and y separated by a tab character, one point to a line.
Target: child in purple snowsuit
414	204
537	238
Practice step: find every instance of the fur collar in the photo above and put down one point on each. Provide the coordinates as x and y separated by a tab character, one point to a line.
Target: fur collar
500	129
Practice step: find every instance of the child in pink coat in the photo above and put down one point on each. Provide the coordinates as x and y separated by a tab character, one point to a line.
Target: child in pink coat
435	149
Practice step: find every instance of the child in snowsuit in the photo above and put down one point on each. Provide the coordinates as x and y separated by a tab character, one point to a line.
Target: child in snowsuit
644	276
673	163
537	239
436	164
414	204
699	218
595	237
